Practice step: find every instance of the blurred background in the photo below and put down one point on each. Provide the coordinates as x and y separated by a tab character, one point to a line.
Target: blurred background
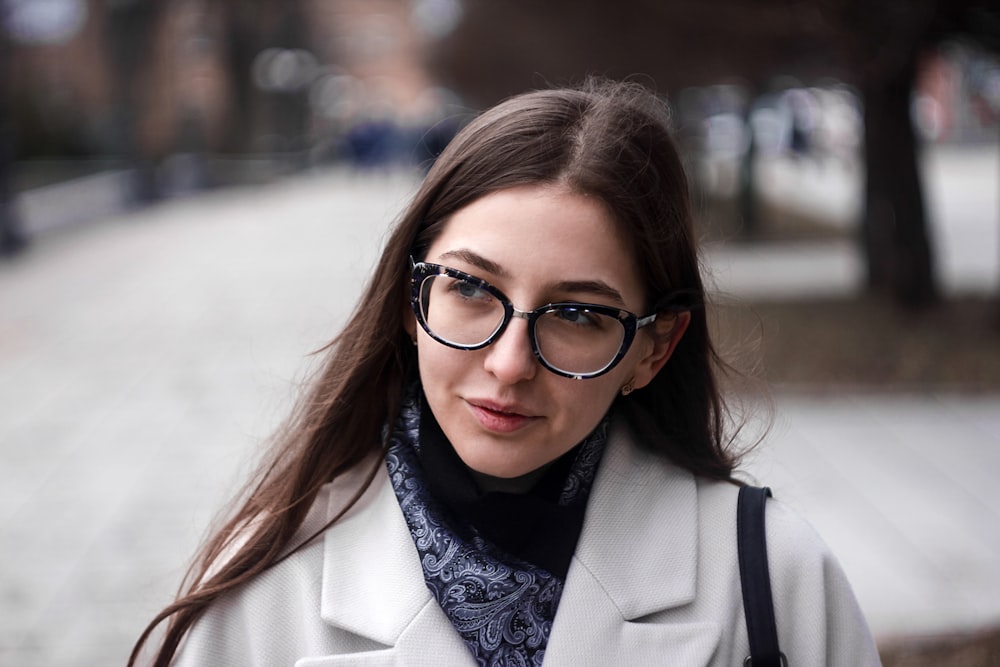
192	193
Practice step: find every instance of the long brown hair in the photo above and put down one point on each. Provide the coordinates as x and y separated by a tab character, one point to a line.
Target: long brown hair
605	139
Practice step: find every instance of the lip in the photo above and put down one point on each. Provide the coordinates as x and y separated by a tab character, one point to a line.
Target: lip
500	417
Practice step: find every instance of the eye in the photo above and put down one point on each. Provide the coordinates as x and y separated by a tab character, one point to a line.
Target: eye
578	316
468	290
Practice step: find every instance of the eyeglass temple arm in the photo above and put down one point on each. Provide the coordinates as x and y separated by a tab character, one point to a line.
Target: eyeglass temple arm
679	301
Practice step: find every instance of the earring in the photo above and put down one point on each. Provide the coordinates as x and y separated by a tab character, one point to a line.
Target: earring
627	389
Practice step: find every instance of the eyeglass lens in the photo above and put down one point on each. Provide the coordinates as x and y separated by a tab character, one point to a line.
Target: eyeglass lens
570	339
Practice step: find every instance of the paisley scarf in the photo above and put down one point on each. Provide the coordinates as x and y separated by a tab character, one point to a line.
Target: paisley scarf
501	604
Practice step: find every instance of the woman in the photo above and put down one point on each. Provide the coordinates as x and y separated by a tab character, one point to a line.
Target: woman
515	449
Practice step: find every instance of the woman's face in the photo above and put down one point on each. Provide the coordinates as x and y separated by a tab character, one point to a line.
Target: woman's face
503	412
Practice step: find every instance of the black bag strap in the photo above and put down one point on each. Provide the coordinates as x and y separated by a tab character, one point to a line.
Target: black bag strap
758	606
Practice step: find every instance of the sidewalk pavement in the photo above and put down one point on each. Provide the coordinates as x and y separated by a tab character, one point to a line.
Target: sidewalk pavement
145	359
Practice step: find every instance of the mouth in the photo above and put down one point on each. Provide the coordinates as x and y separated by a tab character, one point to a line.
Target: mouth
500	418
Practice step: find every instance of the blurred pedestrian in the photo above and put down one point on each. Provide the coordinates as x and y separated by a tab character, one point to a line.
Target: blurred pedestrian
517	447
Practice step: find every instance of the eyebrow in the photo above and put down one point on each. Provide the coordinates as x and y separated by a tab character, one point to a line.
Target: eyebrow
595	287
476	260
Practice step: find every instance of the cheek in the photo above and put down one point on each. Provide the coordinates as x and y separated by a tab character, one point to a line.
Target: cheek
586	401
440	364
595	396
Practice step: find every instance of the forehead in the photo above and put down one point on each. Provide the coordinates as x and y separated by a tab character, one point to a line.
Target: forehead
540	235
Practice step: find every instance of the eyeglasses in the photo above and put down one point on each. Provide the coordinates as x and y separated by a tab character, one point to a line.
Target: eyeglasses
574	340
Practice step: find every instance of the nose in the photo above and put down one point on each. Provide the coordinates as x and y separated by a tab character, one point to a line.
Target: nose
510	358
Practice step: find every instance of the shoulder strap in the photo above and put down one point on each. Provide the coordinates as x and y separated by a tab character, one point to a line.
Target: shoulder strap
758	605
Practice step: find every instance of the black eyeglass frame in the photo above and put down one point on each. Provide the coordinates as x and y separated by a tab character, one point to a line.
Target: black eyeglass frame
630	322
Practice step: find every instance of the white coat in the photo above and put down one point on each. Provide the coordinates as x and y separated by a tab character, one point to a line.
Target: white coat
654	581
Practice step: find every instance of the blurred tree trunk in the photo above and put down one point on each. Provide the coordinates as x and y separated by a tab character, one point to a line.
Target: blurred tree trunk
12	236
242	45
131	24
894	227
882	41
251	27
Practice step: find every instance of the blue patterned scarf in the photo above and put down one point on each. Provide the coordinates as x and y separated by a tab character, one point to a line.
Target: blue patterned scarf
502	606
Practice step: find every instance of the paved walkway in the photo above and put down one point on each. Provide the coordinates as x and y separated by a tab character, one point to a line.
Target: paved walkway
144	359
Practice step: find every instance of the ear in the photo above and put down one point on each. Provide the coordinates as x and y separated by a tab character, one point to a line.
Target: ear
668	330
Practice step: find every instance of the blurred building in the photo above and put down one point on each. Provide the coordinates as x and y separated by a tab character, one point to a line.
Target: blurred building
147	80
58	82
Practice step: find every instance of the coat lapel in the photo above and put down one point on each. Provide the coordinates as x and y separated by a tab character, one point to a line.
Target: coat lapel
373	585
641	526
372	582
637	557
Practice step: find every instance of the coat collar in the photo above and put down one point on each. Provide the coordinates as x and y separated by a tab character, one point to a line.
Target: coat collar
373	585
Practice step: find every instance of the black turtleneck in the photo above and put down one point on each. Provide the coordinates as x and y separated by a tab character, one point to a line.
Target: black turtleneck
531	526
